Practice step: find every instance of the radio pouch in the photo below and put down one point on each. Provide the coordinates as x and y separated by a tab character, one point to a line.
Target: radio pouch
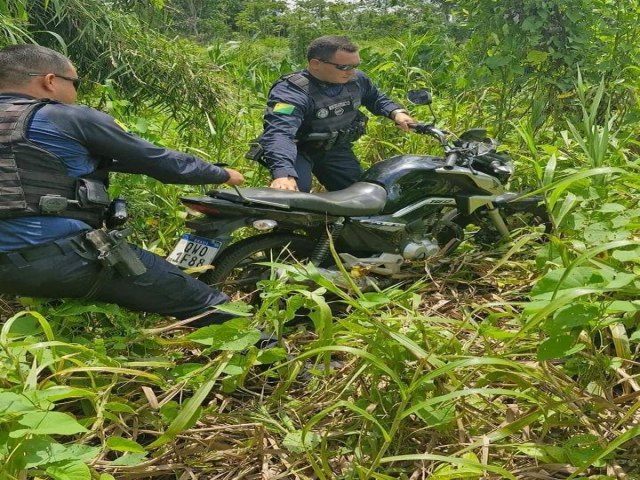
91	193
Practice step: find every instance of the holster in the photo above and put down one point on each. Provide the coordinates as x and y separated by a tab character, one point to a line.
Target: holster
113	251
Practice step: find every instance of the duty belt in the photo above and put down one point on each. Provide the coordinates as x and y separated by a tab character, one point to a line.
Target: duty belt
25	256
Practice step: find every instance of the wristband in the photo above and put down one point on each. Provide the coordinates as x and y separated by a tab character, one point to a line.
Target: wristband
395	112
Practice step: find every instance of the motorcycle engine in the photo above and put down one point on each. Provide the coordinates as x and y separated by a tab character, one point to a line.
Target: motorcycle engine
419	249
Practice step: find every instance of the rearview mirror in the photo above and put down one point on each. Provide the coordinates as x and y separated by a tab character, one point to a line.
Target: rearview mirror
475	135
420	97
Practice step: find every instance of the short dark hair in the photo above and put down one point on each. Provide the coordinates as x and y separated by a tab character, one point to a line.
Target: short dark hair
17	60
323	48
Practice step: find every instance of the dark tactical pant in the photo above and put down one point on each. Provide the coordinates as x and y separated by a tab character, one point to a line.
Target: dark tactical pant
62	270
335	169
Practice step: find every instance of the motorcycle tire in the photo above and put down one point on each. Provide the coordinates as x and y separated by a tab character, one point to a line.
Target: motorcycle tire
236	272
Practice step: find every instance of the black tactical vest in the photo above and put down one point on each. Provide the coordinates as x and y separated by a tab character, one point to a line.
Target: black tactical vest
30	177
338	117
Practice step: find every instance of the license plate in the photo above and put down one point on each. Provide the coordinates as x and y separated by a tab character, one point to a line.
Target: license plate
192	251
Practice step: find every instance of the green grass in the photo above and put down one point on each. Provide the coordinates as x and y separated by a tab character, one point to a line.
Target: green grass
501	363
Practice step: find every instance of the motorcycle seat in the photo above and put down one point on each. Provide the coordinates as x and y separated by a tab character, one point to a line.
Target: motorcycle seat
358	199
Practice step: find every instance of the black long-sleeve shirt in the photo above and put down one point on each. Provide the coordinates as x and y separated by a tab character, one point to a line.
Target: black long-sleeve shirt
280	129
82	137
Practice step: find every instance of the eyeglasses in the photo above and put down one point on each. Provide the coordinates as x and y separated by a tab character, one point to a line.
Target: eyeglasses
76	81
345	67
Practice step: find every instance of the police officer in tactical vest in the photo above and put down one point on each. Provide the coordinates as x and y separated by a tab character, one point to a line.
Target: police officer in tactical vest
58	227
313	118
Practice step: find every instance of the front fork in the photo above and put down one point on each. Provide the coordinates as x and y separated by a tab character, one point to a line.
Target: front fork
494	215
480	204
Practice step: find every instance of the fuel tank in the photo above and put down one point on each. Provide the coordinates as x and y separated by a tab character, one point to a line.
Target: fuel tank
411	178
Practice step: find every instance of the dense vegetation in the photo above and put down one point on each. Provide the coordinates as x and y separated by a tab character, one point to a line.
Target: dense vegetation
514	362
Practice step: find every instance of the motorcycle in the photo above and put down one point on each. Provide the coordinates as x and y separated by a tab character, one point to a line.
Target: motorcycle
404	209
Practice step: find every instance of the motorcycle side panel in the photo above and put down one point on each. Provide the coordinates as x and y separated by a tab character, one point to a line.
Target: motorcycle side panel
222	210
368	235
409	178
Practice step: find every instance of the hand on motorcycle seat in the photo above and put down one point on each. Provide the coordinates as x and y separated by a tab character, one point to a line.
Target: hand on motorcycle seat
285	183
403	121
235	177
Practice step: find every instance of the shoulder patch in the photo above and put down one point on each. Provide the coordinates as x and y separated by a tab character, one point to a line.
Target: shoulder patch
283	108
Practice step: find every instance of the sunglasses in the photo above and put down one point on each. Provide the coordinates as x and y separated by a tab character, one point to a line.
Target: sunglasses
345	67
76	81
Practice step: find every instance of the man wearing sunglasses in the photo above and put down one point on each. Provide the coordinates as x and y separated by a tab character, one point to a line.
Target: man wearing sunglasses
313	118
55	158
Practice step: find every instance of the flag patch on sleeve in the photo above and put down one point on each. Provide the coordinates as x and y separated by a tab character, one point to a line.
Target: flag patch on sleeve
284	108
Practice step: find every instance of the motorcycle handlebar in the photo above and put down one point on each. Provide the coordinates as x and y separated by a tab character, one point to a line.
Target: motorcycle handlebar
429	129
441	135
452	159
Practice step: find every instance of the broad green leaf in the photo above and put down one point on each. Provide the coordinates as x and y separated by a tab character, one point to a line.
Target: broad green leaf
453	472
575	315
119	407
169	411
43	450
293	441
374	299
583	450
577	277
450	472
544	453
14	403
120	444
632	255
621	279
611	447
602	232
623	306
271	355
537	57
60	392
612	207
230	336
233	370
497	61
556	347
494	332
129	460
48	423
72	470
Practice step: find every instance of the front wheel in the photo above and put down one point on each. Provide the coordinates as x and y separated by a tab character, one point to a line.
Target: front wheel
237	269
454	226
517	216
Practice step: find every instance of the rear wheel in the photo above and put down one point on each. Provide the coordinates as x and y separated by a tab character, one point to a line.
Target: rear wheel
237	270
